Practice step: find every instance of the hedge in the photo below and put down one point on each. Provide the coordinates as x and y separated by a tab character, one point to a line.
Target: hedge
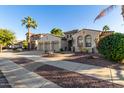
112	47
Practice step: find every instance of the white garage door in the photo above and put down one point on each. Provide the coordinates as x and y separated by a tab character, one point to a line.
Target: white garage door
47	47
40	46
55	46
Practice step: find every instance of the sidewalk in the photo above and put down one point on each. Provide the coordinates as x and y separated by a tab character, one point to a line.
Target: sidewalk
19	77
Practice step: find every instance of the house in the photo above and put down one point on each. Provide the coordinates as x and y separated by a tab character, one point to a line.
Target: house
74	41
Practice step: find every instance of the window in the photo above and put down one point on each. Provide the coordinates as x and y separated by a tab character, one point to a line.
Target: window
88	41
70	36
80	41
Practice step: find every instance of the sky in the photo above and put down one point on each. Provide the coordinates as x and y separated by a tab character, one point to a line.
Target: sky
64	17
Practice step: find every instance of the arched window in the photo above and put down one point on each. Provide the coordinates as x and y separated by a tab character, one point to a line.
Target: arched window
88	41
80	41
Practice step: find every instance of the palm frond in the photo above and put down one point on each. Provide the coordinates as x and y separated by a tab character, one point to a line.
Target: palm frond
122	13
33	24
23	22
104	12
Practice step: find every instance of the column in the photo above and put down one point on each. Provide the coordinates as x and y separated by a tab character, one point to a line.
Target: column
43	46
50	46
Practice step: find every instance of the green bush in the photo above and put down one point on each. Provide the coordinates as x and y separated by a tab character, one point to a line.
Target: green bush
25	44
61	49
82	49
112	47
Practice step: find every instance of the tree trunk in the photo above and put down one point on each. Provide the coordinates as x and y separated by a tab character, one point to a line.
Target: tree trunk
29	42
1	48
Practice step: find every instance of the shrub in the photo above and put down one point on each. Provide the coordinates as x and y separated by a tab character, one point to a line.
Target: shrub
112	47
25	44
82	49
61	49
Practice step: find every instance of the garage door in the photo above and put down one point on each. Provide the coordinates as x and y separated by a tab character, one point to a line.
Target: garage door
47	47
55	46
40	46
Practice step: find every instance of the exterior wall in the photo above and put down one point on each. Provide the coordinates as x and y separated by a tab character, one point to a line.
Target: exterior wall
69	39
84	33
49	43
33	40
69	36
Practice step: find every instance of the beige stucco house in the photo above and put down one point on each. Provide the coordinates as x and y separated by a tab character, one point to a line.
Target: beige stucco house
74	41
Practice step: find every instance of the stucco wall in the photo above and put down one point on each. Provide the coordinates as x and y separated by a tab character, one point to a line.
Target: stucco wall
84	33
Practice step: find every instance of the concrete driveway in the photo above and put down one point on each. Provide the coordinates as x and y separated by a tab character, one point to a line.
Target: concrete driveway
22	73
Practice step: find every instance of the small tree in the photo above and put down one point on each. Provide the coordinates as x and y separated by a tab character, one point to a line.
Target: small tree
6	37
106	28
57	32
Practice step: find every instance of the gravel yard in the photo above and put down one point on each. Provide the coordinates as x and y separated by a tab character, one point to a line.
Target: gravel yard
69	79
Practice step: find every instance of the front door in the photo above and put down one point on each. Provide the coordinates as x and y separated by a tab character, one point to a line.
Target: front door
69	45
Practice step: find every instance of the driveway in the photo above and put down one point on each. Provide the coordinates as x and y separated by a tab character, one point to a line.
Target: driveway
32	70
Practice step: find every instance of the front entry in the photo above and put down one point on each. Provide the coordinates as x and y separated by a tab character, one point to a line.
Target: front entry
69	45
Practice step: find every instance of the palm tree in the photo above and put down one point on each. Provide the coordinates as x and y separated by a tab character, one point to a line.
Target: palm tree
57	32
106	28
29	23
107	10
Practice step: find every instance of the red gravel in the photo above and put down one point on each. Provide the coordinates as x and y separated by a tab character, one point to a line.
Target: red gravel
21	60
69	79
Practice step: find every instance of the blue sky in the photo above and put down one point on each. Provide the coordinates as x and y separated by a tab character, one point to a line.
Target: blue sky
64	17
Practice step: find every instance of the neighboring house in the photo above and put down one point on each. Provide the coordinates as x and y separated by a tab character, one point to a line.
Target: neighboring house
33	40
73	41
17	44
